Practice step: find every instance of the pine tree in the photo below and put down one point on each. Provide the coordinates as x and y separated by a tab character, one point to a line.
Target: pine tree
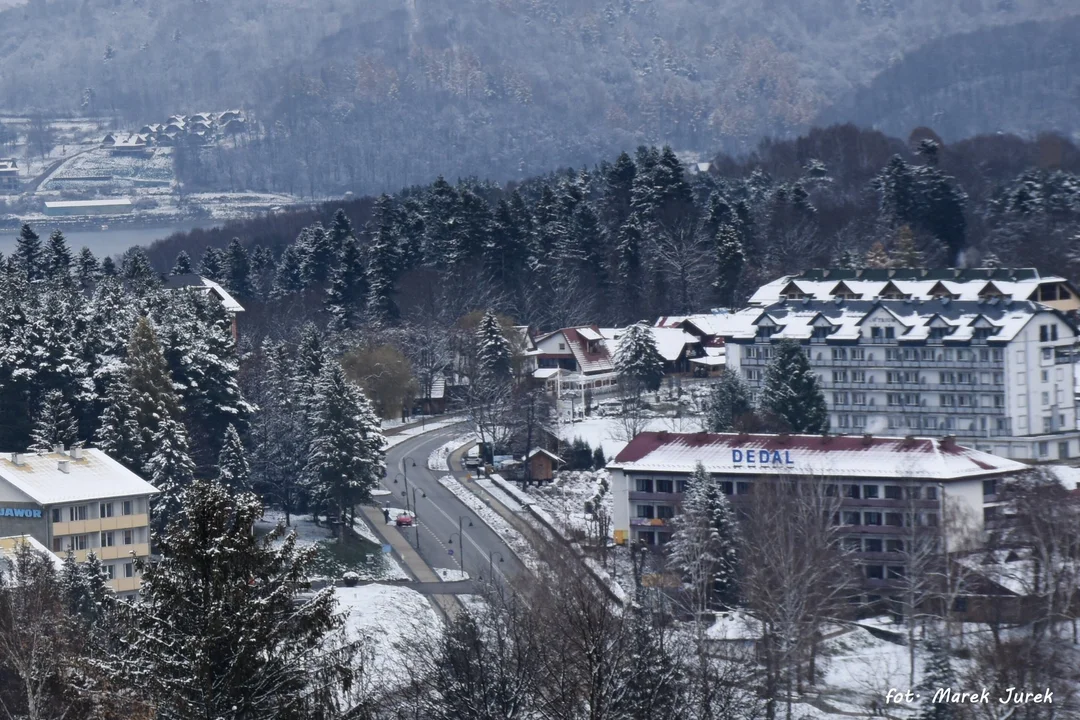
348	287
630	278
118	434
225	627
58	260
792	391
347	456
310	362
637	360
54	424
183	265
937	674
907	253
233	470
212	264
876	257
88	269
279	432
262	269
494	359
730	400
382	272
138	272
27	255
238	270
340	229
318	257
730	259
152	395
652	679
108	267
289	274
171	471
703	545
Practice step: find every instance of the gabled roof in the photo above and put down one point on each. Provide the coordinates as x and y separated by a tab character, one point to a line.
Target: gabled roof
542	451
842	288
191	280
10	545
94	476
892	292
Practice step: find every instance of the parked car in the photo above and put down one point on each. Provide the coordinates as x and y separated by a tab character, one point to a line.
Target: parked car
404	520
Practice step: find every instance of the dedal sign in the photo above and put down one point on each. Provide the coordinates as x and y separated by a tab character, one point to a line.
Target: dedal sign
20	512
762	457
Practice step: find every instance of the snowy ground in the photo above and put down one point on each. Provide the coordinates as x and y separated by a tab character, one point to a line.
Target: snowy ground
607	432
334	559
564	498
451	574
393	619
438	457
517	543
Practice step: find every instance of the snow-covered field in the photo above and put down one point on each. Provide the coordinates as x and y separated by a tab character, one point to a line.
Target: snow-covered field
607	432
451	574
438	457
514	539
564	498
393	619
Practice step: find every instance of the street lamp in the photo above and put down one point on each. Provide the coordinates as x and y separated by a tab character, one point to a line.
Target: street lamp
405	492
461	538
491	563
416	517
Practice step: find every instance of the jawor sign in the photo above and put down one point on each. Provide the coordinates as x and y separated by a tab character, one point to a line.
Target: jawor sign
20	512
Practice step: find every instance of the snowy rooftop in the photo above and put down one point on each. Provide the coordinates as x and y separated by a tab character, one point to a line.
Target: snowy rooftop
575	342
117	202
868	284
95	476
175	282
796	319
670	341
841	456
9	546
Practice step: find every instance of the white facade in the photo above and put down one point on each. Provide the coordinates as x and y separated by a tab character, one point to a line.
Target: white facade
996	373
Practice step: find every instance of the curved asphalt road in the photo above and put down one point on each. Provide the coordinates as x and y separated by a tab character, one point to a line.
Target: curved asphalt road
438	513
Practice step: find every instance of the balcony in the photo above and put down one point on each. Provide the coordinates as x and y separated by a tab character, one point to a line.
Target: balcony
119	522
115	552
671	497
648	522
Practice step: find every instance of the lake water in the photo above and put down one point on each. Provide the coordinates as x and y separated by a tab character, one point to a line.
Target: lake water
102	242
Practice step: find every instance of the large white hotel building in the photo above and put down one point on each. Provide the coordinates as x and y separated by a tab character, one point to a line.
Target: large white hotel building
983	355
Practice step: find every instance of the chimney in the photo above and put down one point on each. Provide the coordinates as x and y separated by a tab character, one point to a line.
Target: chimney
783	438
867	439
909	440
662	435
948	442
825	438
76	453
63	466
16	458
58	449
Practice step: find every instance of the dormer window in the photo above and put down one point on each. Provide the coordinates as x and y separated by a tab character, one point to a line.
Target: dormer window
939	333
891	292
883	333
766	331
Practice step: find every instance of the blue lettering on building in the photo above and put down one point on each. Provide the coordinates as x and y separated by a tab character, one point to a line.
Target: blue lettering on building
20	512
761	457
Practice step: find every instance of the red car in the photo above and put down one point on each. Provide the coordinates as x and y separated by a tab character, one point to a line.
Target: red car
404	520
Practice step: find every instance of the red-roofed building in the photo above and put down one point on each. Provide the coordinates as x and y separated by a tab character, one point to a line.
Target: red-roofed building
884	485
581	352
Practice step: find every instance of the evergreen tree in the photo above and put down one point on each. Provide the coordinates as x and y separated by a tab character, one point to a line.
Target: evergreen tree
262	269
171	471
637	360
138	272
599	462
310	361
212	264
937	674
152	395
233	470
88	270
225	627
183	265
347	456
108	267
730	259
289	274
318	257
876	257
340	229
631	279
348	287
907	253
279	432
58	260
703	545
494	358
27	255
730	400
118	434
54	424
383	263
238	270
792	391
652	678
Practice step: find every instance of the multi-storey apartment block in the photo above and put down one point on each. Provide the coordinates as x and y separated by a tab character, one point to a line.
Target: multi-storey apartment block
995	372
883	491
80	501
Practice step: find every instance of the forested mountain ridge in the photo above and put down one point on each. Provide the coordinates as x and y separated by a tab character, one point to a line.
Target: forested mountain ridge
1002	79
392	92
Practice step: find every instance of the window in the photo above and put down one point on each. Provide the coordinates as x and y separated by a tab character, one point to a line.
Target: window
840	398
894	519
1045	376
665	486
998	355
1047	355
107	539
931	493
663	538
742	488
931	519
1044	447
129	569
110	570
892	354
727	487
843	421
851	491
1047	425
78	542
858	421
875	572
830	490
646	511
873	545
858	398
870	492
840	376
852	544
946	378
894	378
57	515
927	354
984	356
105	510
77	512
947	400
999	378
989	513
989	487
127	507
752	375
644	485
839	353
58	544
562	346
680	486
871	518
1045	399
665	512
129	537
858	354
894	545
896	572
892	492
851	518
